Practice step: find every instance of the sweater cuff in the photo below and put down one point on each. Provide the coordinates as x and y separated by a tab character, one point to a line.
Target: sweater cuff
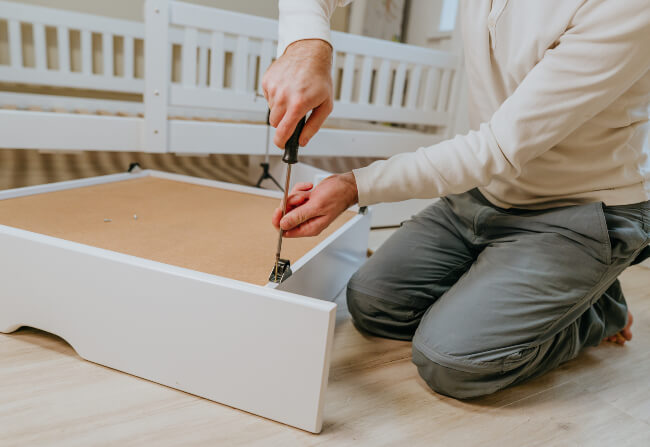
300	20
363	177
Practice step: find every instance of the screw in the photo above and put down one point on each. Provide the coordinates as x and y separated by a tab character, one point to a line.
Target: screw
135	217
156	92
157	11
108	220
156	131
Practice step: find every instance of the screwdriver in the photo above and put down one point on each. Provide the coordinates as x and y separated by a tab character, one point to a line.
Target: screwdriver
290	157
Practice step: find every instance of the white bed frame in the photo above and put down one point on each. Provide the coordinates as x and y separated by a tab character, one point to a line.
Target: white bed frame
222	58
175	326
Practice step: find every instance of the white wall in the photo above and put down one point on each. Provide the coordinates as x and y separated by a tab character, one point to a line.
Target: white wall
424	16
378	19
423	23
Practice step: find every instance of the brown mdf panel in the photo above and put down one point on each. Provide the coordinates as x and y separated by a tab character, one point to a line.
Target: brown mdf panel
202	228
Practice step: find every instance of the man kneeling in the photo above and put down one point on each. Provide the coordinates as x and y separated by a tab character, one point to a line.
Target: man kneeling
543	204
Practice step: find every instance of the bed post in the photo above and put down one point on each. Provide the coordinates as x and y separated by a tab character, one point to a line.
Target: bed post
157	75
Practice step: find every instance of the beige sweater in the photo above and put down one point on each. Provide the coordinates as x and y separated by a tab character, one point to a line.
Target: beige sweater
559	95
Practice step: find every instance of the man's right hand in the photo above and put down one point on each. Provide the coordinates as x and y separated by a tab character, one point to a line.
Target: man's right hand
299	81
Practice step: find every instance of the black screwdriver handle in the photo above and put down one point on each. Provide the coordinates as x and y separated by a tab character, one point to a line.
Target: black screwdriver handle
291	146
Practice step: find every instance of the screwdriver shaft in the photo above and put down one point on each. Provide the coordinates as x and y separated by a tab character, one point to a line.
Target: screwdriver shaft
284	211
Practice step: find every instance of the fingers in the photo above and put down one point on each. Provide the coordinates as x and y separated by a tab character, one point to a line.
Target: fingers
312	227
289	121
296	200
315	121
287	108
287	125
297	82
275	219
312	210
278	109
270	86
292	203
301	186
299	215
299	195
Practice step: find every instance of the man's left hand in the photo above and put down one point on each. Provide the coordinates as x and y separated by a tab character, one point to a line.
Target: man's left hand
310	210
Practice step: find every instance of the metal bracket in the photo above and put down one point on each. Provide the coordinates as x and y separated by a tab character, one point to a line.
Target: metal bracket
284	271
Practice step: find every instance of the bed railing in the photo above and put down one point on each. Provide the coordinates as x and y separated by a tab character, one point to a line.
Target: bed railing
190	61
374	80
68	49
239	49
391	82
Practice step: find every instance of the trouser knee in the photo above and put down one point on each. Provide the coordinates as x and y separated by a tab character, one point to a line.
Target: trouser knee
461	379
386	314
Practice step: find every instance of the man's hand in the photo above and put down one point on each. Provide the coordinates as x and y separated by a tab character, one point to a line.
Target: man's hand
299	81
310	211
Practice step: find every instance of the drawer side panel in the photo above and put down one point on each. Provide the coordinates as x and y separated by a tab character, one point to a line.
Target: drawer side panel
260	350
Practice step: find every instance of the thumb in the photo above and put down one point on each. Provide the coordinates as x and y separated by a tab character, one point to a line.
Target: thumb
298	215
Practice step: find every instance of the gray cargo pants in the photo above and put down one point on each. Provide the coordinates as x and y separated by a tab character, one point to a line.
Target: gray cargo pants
493	297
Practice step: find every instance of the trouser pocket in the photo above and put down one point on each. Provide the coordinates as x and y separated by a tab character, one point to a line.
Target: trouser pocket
626	232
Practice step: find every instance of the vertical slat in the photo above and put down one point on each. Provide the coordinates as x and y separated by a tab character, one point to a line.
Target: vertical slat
241	61
63	48
157	73
40	55
266	52
348	78
382	83
128	57
431	89
203	66
334	70
366	79
216	60
414	87
445	86
398	86
252	71
107	53
15	44
86	52
189	57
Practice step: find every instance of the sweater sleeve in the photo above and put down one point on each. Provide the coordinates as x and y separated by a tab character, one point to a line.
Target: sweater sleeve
305	19
600	55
